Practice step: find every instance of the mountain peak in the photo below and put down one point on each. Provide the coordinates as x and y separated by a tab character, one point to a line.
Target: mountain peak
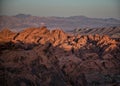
6	30
22	15
6	35
86	59
78	17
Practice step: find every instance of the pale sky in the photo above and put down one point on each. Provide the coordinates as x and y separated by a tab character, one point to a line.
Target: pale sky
62	8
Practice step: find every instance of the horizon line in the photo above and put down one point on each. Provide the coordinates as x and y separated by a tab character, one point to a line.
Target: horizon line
60	16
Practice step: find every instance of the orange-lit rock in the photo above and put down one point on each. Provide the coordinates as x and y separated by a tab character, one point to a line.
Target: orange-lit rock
40	57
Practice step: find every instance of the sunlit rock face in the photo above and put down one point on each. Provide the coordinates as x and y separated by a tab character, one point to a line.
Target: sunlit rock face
40	57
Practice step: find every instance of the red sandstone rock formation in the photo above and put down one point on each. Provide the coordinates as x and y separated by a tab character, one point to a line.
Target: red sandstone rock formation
40	57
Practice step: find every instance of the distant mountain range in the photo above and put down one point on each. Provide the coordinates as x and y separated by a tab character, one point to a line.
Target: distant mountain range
21	21
113	32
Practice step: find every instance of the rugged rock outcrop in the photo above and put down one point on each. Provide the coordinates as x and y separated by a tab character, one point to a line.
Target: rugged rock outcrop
6	35
40	57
